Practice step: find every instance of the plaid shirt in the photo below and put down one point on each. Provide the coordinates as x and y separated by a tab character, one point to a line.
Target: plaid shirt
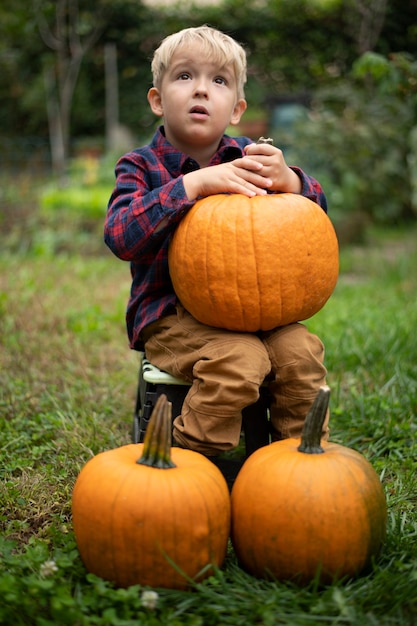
146	206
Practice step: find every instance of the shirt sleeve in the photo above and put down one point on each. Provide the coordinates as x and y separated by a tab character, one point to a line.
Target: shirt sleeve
311	188
145	206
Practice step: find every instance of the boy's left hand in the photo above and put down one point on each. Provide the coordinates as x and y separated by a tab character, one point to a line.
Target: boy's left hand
283	178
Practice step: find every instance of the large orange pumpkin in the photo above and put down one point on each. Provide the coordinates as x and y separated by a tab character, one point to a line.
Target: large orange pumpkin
250	264
307	509
160	520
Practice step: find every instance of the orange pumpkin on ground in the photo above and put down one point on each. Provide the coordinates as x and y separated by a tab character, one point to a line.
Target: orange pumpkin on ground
301	510
160	520
250	264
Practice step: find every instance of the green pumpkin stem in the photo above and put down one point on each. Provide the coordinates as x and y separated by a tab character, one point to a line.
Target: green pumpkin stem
313	425
157	443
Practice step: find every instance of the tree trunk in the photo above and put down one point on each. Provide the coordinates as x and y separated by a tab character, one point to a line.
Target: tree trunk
56	139
112	96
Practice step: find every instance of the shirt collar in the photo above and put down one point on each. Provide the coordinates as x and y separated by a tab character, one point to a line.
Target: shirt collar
178	162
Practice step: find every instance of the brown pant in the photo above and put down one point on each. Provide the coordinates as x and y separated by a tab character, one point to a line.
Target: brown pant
227	368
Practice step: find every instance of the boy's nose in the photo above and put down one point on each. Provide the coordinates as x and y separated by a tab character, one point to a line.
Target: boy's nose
201	88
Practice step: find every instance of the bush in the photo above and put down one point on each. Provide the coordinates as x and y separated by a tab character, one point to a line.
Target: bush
86	194
71	216
363	141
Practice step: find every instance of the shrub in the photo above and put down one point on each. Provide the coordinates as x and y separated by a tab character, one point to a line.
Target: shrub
363	145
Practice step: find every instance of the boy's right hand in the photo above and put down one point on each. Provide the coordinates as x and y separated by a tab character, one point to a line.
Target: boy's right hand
242	175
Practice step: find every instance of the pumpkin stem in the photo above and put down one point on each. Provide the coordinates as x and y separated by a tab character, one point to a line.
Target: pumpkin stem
157	443
313	425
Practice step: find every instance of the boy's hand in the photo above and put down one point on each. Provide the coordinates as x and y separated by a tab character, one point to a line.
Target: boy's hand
263	168
244	175
274	167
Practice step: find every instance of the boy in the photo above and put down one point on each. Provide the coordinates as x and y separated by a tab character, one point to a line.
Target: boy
198	90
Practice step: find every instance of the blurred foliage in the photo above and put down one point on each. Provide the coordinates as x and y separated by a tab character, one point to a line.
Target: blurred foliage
362	139
86	193
42	216
293	46
359	137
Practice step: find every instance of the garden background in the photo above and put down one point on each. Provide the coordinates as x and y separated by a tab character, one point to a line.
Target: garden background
335	83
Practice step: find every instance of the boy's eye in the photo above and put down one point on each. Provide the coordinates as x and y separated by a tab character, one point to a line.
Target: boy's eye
220	80
184	76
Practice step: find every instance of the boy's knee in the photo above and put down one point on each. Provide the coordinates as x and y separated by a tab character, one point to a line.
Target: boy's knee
297	357
296	342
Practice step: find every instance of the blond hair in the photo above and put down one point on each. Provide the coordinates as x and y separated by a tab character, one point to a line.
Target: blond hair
216	46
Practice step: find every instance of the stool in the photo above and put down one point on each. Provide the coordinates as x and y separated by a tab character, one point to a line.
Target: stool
153	382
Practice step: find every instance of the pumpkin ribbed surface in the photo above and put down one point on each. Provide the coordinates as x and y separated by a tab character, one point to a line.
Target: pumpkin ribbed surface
301	514
145	514
136	524
300	509
250	264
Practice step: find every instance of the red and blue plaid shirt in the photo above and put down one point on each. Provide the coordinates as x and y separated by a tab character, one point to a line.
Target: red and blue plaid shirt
146	206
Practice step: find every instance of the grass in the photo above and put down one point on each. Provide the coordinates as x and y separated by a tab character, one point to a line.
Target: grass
67	387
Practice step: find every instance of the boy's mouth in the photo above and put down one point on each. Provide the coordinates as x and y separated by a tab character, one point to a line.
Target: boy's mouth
199	111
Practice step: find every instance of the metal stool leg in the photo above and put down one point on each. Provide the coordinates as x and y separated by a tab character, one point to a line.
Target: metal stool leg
151	384
255	423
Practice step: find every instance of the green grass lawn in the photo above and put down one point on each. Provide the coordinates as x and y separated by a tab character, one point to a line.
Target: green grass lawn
67	389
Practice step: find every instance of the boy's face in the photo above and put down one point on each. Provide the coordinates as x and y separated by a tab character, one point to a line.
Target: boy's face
197	99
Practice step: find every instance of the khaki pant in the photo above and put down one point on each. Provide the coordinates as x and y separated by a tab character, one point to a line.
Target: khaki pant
226	369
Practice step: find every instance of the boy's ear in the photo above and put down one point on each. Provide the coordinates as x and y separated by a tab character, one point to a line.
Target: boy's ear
155	101
238	111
